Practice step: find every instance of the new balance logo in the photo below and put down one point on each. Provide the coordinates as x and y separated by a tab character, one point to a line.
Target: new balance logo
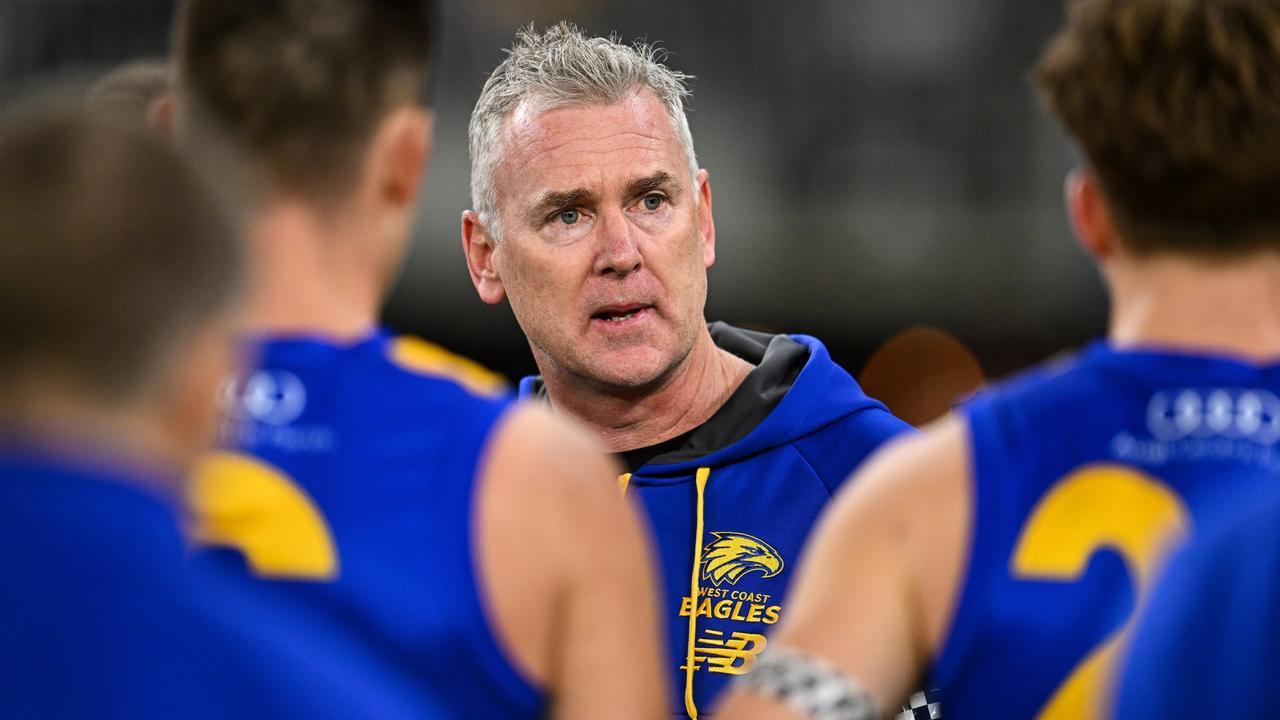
734	656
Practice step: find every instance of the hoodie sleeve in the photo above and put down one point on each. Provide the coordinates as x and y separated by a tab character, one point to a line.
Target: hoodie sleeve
836	450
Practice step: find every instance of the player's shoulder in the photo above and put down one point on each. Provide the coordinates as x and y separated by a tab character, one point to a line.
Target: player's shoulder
405	387
540	470
410	362
401	382
392	394
1052	387
533	440
933	457
327	371
909	474
907	509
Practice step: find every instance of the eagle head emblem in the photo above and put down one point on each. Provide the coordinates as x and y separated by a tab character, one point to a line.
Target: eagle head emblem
732	555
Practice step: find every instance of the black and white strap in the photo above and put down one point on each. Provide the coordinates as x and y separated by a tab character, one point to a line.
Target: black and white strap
807	685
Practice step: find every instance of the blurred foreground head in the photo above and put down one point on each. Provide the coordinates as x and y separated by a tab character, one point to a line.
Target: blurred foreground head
306	89
117	268
312	112
1176	105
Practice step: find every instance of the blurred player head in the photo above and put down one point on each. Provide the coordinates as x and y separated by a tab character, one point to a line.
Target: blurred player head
324	98
116	271
1176	106
590	213
137	92
323	102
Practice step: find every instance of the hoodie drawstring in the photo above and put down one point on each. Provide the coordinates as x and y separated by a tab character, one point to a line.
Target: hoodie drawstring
695	584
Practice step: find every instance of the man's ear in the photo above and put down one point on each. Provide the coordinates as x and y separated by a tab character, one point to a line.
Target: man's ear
399	155
1090	217
706	222
480	247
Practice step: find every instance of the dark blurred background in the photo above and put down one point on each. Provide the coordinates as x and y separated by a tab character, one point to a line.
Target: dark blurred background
877	164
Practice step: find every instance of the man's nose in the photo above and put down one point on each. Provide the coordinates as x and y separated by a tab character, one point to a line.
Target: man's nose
618	252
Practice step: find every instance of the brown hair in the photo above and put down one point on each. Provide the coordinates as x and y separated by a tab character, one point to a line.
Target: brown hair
301	85
111	248
1176	104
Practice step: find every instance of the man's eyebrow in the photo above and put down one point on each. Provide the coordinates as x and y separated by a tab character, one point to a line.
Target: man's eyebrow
655	181
553	200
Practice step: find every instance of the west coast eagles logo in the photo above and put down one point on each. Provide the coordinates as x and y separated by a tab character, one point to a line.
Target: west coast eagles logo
732	555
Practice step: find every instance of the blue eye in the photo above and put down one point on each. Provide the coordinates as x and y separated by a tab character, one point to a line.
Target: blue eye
569	217
652	202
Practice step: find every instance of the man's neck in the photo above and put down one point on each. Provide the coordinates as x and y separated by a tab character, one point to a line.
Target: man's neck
1230	307
307	276
687	398
70	426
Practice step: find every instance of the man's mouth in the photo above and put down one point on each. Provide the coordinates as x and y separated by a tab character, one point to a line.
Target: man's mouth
619	313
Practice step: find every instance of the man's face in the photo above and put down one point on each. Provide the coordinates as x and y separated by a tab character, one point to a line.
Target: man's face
605	240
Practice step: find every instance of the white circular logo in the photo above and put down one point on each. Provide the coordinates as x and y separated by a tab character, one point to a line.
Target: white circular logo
273	397
1231	413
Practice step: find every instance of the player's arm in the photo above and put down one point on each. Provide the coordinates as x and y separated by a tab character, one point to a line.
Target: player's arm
877	585
571	585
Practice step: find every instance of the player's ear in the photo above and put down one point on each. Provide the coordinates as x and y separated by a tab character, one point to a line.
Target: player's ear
400	152
706	221
1090	217
480	247
160	114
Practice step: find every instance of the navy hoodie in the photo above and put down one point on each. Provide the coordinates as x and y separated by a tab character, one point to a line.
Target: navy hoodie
731	503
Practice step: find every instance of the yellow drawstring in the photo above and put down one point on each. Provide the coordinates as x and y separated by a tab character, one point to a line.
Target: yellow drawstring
700	480
623	481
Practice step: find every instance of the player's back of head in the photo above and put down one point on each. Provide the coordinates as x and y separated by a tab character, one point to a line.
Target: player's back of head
1177	108
300	86
112	253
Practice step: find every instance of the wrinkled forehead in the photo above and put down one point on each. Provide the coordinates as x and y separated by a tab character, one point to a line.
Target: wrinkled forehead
595	146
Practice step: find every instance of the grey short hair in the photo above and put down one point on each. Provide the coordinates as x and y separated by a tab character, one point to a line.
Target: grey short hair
562	67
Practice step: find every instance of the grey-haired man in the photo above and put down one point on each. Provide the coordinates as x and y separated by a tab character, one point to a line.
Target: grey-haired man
593	219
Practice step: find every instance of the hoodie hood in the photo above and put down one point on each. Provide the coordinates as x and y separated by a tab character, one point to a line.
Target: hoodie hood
794	390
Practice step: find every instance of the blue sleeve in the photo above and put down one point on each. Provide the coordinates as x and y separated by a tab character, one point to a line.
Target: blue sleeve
838	449
1207	646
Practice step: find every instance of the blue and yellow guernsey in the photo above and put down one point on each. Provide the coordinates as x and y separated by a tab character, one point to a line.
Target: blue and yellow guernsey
103	618
348	477
731	503
1085	474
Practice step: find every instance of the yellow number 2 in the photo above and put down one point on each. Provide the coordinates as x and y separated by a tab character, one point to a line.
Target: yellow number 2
1095	507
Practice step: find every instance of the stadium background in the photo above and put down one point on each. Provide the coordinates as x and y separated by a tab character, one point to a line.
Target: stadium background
876	164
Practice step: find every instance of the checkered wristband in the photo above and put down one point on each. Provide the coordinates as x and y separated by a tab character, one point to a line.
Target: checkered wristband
923	705
807	685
